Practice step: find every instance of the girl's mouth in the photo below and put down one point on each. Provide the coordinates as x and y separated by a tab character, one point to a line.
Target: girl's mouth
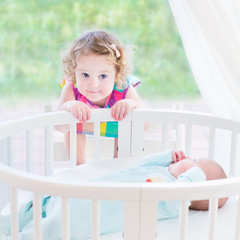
93	92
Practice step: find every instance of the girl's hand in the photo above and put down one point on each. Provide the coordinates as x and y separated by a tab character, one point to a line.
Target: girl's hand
178	156
79	109
121	108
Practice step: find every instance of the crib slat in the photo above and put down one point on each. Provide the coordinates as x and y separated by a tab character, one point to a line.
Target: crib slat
95	220
131	220
179	129
124	139
4	151
73	144
183	220
48	166
237	229
10	151
37	216
96	143
164	136
148	229
180	136
213	209
233	156
188	139
29	150
212	140
0	227
137	137
65	219
14	213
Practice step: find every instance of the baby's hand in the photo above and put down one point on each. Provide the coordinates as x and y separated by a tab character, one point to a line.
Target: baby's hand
178	156
121	109
79	109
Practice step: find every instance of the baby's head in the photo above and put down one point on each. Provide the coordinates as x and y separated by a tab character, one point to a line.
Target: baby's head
212	170
99	43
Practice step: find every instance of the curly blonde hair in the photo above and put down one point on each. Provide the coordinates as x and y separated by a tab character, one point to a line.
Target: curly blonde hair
101	43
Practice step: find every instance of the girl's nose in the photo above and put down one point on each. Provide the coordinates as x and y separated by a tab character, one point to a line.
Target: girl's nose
93	83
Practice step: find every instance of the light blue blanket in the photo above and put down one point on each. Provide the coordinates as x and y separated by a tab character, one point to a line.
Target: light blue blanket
111	212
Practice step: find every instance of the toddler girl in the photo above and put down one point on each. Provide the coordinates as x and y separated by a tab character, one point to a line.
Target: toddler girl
96	68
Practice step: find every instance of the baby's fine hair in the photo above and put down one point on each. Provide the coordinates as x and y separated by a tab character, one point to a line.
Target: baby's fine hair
98	42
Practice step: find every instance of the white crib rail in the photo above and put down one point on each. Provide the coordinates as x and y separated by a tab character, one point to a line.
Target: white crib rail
48	121
27	124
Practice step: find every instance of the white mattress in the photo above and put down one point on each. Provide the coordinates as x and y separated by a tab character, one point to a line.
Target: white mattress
93	170
166	229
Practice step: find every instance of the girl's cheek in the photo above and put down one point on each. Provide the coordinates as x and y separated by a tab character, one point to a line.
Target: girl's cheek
80	85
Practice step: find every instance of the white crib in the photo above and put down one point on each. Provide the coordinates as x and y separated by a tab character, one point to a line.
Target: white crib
140	199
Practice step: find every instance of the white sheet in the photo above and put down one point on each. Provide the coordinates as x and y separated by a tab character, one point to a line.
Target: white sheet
93	170
197	221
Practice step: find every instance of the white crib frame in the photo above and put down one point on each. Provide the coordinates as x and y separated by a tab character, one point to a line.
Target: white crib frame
140	199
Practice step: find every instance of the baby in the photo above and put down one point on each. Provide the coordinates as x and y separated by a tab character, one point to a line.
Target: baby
172	166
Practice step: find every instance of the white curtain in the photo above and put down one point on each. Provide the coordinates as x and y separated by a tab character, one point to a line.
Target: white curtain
210	32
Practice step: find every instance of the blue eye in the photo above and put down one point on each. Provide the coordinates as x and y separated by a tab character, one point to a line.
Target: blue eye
102	76
85	75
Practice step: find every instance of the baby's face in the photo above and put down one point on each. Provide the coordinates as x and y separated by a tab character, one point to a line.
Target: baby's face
182	166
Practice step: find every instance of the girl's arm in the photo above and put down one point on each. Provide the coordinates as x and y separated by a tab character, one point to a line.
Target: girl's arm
66	95
134	97
121	108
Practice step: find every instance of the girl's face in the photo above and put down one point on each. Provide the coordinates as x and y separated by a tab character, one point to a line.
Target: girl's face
95	77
